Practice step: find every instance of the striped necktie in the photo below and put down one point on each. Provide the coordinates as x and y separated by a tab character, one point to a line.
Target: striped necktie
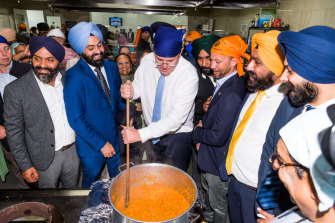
103	83
239	130
156	115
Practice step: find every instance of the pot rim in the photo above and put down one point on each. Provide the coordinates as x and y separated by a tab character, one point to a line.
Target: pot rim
150	165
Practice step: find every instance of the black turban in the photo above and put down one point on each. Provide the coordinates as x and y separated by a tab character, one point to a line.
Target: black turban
42	26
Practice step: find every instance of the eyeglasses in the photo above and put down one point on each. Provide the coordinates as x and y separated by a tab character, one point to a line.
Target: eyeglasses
277	163
169	64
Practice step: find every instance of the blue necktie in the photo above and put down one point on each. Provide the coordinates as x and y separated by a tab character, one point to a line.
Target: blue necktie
309	107
156	115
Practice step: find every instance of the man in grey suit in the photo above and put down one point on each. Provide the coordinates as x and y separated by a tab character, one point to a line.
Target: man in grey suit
38	132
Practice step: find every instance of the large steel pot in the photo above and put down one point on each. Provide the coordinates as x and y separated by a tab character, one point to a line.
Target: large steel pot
143	174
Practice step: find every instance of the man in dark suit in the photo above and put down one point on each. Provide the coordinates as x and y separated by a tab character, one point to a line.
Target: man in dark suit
92	99
130	36
10	70
39	135
307	90
214	131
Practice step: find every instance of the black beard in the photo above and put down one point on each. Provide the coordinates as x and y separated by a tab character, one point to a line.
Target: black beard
300	95
46	78
259	84
206	70
94	63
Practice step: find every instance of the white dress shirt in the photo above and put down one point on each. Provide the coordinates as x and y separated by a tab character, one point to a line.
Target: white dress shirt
5	79
180	89
248	150
53	97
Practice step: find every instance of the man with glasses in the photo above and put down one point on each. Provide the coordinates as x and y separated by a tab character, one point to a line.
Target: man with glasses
167	85
309	88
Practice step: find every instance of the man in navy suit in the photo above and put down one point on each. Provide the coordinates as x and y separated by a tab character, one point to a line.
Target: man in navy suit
212	133
92	99
307	90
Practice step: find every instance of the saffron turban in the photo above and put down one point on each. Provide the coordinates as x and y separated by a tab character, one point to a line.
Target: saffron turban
193	35
80	34
204	43
269	50
38	42
8	33
168	42
232	46
311	53
3	40
22	26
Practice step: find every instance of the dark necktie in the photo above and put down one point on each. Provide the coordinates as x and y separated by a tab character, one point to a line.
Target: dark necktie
103	83
269	194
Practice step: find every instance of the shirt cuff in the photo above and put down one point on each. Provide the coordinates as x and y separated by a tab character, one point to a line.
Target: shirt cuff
145	134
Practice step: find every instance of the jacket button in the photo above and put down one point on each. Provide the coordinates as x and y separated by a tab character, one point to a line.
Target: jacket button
52	131
52	145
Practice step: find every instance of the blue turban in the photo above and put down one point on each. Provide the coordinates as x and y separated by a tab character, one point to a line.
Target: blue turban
145	29
3	40
38	42
155	26
80	34
311	53
168	42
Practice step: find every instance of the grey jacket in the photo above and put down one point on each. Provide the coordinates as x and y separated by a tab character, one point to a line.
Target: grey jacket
28	124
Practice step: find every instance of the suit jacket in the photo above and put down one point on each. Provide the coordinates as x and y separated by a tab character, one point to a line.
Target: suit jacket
130	37
88	110
285	113
18	70
206	89
29	127
217	124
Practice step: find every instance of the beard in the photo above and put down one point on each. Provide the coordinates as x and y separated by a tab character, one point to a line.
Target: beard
302	94
259	83
46	77
206	70
92	62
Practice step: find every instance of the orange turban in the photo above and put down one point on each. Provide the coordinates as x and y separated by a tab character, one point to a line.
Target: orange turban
8	33
22	26
193	35
269	50
232	46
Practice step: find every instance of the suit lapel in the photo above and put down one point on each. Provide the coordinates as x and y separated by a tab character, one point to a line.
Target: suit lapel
37	94
222	88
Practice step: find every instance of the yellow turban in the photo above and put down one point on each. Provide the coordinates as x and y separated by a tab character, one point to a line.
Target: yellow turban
8	33
269	50
193	35
232	46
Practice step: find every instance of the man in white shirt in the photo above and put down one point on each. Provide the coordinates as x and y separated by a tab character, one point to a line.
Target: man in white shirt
169	112
38	132
245	146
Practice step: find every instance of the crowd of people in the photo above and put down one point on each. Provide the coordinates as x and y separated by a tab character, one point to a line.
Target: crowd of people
254	129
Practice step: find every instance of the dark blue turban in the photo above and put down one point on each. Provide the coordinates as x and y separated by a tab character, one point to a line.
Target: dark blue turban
3	40
38	42
168	42
311	53
145	29
155	26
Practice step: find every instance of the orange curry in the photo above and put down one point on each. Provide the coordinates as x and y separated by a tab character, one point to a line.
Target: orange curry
153	203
